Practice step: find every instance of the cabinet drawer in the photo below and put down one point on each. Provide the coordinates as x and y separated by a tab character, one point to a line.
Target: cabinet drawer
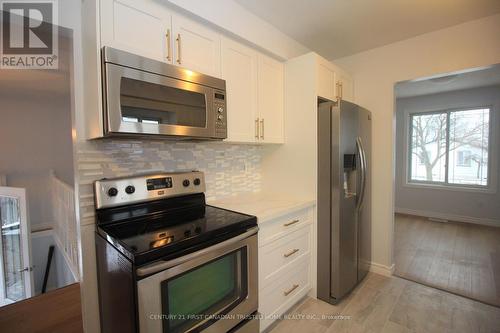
277	255
276	298
282	226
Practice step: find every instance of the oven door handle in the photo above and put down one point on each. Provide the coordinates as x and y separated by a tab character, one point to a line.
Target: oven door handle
160	266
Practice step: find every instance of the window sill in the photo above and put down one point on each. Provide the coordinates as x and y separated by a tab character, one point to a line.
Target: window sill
456	188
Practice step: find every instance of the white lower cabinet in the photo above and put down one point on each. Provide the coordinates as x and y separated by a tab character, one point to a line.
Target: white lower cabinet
284	263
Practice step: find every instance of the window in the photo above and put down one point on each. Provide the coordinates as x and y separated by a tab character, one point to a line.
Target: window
463	159
450	147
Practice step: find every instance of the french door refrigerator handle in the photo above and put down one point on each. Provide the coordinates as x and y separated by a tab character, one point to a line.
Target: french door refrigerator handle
362	158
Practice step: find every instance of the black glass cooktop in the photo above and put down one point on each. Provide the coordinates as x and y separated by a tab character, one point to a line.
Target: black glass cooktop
146	232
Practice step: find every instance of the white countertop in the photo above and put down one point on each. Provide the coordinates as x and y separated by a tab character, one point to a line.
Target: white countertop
264	206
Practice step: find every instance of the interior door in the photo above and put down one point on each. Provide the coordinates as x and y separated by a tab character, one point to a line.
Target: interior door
16	273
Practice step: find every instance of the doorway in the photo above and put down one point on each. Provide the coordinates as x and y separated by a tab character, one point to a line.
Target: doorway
447	217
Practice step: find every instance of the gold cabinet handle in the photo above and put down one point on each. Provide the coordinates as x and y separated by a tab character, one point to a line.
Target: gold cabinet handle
286	255
262	129
289	291
257	128
169	56
178	39
291	223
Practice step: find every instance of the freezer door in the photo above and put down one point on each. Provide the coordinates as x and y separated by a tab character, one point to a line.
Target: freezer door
328	200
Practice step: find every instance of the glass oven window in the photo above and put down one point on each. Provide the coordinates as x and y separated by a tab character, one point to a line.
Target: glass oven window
190	299
150	103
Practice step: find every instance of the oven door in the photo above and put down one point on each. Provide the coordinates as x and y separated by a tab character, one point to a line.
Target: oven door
211	290
140	102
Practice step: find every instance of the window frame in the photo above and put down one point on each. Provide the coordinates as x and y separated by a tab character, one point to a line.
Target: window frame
445	184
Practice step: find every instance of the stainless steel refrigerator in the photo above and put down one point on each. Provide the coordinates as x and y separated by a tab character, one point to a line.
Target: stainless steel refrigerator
344	200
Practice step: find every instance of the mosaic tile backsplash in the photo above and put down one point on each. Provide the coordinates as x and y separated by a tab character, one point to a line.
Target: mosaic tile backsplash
229	168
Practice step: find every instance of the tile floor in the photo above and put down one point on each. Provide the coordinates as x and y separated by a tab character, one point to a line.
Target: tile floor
391	304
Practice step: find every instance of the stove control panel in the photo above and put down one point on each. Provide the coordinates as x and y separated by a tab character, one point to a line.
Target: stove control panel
134	189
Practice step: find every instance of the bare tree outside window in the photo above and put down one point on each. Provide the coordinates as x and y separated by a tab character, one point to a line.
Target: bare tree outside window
436	141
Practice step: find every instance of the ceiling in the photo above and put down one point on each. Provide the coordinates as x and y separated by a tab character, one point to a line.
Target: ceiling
338	28
467	80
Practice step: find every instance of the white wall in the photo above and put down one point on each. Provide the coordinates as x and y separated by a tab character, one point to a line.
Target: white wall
466	205
235	19
35	138
472	44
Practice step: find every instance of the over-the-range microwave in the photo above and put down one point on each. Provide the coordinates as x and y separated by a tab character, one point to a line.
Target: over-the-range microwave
145	97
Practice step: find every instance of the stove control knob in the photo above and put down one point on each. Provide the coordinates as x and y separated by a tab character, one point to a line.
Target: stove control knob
197	181
187	233
197	230
130	189
185	182
112	192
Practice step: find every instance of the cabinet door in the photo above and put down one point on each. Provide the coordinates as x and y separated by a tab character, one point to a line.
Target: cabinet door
143	28
239	69
326	80
270	99
346	86
196	47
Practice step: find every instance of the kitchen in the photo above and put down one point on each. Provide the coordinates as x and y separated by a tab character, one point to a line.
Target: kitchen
261	92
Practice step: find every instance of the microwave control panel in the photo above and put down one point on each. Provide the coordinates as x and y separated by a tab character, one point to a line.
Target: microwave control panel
220	115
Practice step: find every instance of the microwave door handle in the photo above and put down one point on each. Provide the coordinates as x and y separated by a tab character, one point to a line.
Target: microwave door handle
160	266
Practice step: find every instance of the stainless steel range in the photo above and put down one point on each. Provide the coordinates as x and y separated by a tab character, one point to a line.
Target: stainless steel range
167	262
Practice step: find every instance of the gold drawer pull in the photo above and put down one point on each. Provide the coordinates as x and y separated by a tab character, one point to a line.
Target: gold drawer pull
291	223
286	255
288	292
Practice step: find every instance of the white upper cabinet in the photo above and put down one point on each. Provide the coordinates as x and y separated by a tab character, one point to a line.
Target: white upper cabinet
196	47
254	81
345	86
141	28
239	69
270	99
333	82
255	94
149	29
326	77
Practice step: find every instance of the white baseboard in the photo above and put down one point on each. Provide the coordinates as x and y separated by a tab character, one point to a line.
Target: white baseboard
382	269
449	217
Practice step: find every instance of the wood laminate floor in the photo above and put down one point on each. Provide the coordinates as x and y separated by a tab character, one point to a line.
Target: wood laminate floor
391	304
461	258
